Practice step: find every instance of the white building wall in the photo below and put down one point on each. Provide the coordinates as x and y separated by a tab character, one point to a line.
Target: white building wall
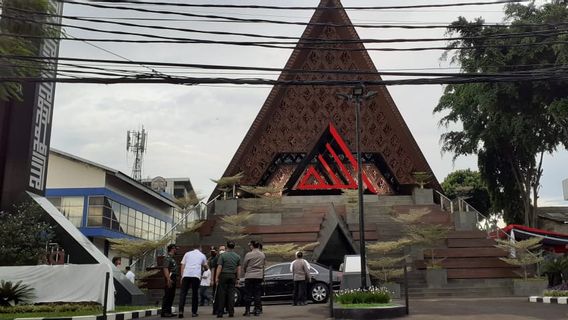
66	173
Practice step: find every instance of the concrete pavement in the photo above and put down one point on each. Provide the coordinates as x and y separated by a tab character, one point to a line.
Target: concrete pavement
424	309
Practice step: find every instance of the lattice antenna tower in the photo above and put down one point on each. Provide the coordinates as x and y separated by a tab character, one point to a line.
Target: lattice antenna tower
136	143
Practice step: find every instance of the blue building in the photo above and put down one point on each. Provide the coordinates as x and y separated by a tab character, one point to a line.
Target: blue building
105	203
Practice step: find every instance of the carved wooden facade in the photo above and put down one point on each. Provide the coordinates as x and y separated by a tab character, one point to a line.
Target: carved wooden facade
293	118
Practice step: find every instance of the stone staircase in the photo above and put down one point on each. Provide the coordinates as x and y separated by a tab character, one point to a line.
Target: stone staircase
471	260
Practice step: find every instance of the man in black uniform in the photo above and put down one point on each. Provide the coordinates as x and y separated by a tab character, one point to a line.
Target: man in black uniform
171	272
228	270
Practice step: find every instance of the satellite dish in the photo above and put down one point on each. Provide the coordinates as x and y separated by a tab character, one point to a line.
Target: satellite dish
159	184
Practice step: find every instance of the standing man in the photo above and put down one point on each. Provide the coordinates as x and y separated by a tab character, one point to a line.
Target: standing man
300	273
204	286
253	267
170	272
130	275
228	270
213	265
191	264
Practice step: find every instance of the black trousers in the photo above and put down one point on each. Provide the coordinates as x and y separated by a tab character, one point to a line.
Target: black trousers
299	292
186	283
226	293
168	299
253	292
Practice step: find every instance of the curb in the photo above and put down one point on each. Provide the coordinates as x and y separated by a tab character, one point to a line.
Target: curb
110	316
550	300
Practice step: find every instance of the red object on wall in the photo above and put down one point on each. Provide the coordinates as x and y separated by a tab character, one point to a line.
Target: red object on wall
314	180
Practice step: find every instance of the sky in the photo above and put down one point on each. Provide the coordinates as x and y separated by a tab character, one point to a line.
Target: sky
194	131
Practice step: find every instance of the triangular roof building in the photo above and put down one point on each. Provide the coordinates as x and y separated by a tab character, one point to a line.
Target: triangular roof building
294	118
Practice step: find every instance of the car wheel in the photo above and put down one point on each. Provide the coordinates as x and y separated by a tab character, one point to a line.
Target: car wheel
237	297
319	292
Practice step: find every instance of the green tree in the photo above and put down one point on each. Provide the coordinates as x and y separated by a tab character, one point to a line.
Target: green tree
24	235
468	184
509	125
19	32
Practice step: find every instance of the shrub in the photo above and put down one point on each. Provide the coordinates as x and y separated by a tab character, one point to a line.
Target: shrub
556	293
24	235
13	294
373	295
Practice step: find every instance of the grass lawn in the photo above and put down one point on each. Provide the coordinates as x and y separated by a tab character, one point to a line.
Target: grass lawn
86	311
365	305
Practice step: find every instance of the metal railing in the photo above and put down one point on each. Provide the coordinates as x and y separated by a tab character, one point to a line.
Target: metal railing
197	212
445	203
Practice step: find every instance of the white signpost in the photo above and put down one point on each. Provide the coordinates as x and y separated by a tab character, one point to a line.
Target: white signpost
565	188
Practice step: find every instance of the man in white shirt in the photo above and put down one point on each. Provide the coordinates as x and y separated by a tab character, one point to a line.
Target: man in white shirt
204	286
130	275
191	265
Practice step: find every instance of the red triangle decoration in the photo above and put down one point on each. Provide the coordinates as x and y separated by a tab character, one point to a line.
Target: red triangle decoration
314	180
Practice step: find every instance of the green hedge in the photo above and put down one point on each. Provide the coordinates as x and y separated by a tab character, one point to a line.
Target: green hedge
373	295
556	293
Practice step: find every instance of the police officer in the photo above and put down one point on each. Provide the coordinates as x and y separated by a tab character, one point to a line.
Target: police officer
171	272
228	271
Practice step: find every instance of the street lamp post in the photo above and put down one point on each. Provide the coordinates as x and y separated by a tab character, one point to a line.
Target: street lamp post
358	95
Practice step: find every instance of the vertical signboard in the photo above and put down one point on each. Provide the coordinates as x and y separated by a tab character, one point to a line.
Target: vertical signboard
25	128
565	188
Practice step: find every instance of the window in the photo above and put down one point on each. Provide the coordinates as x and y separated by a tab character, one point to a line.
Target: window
277	269
70	207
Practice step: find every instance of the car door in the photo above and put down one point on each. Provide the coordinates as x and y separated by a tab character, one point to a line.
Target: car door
276	279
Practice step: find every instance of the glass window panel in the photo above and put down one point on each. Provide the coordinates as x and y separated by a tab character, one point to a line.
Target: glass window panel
106	222
138	224
94	221
115	226
146	217
123	209
99	201
95	211
107	202
131	230
107	213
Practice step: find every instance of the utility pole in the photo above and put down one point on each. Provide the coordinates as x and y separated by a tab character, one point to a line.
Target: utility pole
358	95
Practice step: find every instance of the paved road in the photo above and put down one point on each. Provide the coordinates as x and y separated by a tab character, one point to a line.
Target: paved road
427	309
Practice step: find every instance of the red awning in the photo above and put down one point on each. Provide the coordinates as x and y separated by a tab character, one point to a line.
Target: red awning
558	241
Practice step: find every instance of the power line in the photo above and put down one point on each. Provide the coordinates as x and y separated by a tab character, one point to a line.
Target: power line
241	6
332	83
242	20
291	71
554	31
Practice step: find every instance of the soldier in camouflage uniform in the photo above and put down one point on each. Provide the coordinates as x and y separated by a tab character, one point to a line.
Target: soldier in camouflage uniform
171	274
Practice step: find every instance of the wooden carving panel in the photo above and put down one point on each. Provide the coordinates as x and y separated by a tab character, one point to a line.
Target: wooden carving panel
294	117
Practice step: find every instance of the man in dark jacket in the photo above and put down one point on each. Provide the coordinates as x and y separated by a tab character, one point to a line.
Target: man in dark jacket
170	272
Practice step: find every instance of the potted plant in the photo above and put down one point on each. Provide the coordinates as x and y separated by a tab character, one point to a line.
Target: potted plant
524	253
389	265
228	185
425	237
431	236
421	195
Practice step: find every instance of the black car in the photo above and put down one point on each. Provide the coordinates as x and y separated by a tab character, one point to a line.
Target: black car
279	285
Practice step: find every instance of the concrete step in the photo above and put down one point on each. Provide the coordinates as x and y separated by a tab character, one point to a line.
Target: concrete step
461	292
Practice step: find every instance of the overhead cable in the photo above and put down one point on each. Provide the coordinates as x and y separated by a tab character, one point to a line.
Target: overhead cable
248	6
547	32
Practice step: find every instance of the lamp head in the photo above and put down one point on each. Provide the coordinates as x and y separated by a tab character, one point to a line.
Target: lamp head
358	90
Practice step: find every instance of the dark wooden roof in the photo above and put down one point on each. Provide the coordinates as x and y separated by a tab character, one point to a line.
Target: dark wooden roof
293	117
